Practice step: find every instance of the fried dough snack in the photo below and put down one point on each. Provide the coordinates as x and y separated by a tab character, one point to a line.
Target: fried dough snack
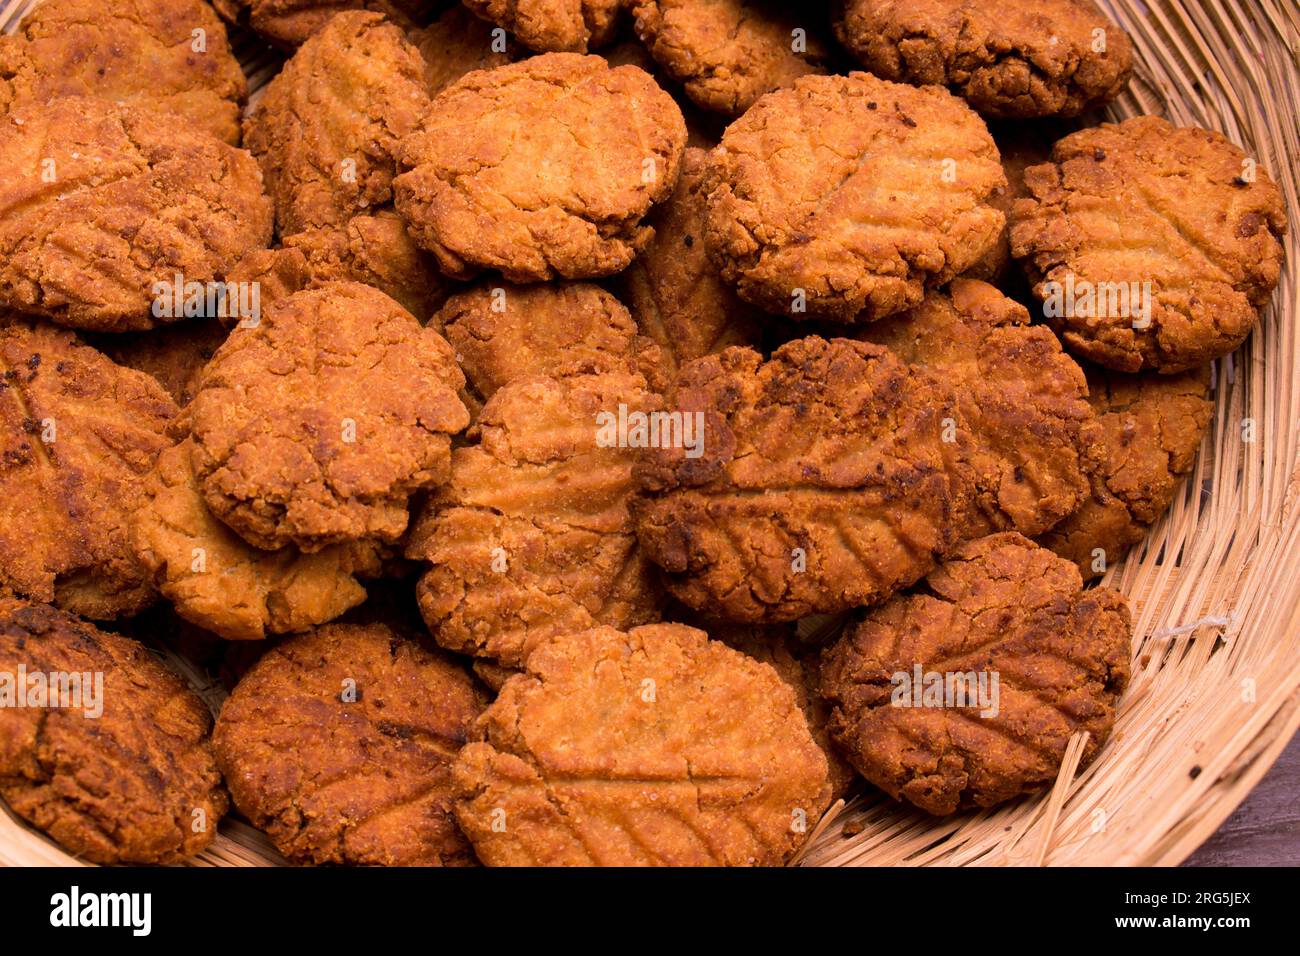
136	784
1151	427
219	581
326	130
1181	209
657	747
728	53
845	197
1019	148
174	356
316	426
999	605
374	249
458	43
1033	434
288	23
142	53
532	536
339	744
553	26
1027	59
609	141
502	332
99	203
826	481
673	290
78	435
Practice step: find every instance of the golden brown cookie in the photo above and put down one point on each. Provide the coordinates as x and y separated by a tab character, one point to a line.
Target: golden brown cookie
532	536
1151	428
1033	434
326	129
100	204
372	249
827	477
609	141
846	197
728	53
657	747
673	290
967	693
458	43
173	355
338	744
1026	59
220	582
102	747
317	425
288	23
1150	246
168	55
501	332
553	26
78	435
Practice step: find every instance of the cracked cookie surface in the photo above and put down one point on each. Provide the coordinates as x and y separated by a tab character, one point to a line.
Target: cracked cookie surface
338	744
728	53
218	581
1151	428
135	784
138	52
100	203
1143	215
825	481
532	535
502	332
655	747
844	197
1034	437
608	140
78	436
1032	58
316	426
998	605
327	127
553	26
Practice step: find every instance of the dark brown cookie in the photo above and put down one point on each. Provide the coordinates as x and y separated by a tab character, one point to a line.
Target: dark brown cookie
113	759
338	744
1026	59
967	693
78	436
825	478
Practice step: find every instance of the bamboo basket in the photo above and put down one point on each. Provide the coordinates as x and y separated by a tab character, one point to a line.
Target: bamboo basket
1215	589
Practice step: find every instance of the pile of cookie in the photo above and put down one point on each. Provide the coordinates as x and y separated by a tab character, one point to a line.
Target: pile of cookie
594	432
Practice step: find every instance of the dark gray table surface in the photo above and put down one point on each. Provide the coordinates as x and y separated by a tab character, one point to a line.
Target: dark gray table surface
1265	829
